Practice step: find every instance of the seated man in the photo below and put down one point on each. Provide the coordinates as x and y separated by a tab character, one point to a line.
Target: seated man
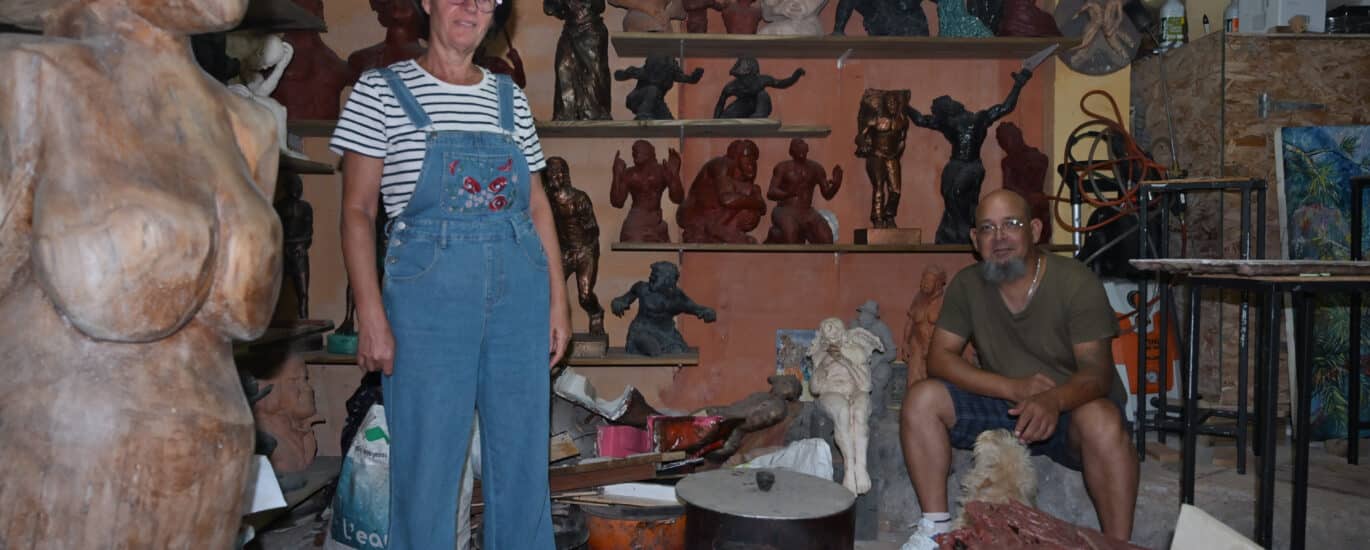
1042	328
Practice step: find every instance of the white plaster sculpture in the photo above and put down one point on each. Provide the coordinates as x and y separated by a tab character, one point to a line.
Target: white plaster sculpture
792	17
271	57
842	382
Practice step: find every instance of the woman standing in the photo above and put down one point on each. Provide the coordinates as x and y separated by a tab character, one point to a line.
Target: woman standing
461	319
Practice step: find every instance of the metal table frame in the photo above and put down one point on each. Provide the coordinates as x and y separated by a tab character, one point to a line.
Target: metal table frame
1353	420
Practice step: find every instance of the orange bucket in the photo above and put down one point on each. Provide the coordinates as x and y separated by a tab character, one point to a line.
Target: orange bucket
617	527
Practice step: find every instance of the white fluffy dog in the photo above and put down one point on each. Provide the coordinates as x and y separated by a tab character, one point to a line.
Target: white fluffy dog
1002	473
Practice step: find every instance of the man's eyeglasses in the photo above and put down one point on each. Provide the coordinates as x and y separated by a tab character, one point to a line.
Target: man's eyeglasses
986	229
485	6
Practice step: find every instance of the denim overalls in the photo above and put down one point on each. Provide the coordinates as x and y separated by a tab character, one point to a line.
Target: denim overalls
466	291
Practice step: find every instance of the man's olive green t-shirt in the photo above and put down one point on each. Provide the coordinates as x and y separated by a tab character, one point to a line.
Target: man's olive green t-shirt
1070	307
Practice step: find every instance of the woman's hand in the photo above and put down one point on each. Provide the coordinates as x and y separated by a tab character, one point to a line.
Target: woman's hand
560	333
376	346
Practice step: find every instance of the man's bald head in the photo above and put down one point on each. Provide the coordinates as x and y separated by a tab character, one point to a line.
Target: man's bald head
1005	201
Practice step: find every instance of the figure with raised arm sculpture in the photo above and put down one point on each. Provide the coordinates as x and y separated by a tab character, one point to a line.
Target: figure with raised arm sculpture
795	220
653	331
645	181
749	88
657	75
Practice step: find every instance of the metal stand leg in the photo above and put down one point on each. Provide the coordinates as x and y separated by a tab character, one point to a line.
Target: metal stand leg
1269	387
1353	384
1243	350
1191	400
1303	347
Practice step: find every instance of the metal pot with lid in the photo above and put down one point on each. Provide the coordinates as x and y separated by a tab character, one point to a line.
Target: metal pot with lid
766	509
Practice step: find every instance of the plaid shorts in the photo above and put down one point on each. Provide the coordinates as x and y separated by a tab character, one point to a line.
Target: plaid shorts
977	413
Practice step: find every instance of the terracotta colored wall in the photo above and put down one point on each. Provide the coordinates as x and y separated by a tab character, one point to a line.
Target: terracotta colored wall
754	294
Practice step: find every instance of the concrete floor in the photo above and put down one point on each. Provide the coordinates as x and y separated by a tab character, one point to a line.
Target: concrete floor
1337	515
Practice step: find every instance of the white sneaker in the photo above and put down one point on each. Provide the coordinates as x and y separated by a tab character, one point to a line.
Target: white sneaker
921	539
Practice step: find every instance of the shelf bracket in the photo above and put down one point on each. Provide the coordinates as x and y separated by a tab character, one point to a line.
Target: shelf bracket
842	59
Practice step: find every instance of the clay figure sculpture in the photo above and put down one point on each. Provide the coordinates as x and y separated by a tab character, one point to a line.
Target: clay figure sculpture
964	173
1024	18
645	181
881	361
578	233
792	17
513	66
954	20
1025	171
883	17
757	411
653	331
311	87
881	127
272	56
288	413
657	75
582	61
404	26
795	220
749	88
921	321
842	382
697	14
724	203
740	16
137	243
1109	38
297	222
649	15
989	12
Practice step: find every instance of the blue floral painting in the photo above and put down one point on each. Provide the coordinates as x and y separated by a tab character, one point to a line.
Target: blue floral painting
1315	167
791	356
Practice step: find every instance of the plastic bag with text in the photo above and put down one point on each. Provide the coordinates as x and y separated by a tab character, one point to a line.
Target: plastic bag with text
361	505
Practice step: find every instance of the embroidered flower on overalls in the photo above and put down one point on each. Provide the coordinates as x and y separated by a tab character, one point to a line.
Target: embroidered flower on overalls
470	185
452	168
508	164
497	184
498	203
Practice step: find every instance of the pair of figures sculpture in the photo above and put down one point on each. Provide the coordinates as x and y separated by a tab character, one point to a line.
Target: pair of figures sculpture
659	73
882	125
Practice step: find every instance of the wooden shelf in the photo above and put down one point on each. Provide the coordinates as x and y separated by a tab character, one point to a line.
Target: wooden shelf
642	44
811	248
304	166
615	357
285	334
706	127
278	16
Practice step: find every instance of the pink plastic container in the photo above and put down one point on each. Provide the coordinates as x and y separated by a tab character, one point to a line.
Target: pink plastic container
622	441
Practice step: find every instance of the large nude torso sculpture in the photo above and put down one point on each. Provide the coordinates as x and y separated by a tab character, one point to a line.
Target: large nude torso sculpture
137	241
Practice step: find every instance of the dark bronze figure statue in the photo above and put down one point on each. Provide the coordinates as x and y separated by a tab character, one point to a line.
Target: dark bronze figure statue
645	181
582	60
795	220
578	233
881	127
403	22
653	331
749	87
297	221
964	173
724	203
654	78
311	86
1025	171
883	17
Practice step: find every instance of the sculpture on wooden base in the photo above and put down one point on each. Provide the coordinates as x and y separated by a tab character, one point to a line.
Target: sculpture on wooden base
578	233
724	203
795	220
288	413
921	322
881	127
964	173
653	331
649	15
645	181
749	88
841	380
792	17
657	75
881	361
403	22
297	222
1025	171
312	85
883	17
123	401
582	61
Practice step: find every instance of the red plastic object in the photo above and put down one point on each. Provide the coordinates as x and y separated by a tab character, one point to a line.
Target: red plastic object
622	441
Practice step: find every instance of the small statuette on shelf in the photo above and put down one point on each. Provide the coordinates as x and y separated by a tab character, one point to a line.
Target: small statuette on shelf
748	87
653	331
645	182
657	75
794	219
883	17
724	203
